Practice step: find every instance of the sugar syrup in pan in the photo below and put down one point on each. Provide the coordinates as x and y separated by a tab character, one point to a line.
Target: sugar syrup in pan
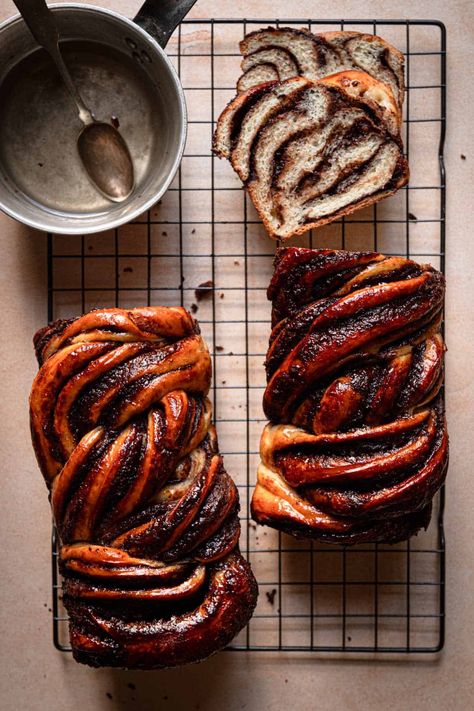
39	123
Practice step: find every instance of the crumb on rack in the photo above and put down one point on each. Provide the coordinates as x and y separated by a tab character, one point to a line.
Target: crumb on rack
271	596
204	290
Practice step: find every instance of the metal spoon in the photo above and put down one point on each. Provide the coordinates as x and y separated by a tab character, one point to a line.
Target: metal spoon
102	149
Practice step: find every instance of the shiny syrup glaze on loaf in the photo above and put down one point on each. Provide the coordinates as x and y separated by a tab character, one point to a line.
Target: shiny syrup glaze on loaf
356	446
146	513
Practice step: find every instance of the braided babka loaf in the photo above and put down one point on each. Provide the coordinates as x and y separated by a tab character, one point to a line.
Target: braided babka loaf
146	513
310	152
276	54
357	444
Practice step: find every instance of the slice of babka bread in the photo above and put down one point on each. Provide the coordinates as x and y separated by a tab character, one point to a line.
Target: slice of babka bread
281	53
309	152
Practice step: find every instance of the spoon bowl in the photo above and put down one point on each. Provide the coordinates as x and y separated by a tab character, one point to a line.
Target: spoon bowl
107	160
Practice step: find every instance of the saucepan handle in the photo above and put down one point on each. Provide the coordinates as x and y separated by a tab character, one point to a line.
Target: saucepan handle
161	17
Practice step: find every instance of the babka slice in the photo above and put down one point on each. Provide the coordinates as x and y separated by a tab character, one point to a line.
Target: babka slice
357	445
281	53
309	152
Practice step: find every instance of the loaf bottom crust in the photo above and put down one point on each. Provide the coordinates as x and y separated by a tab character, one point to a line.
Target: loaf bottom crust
102	636
389	531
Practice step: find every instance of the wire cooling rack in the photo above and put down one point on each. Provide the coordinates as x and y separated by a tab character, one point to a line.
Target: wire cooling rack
313	597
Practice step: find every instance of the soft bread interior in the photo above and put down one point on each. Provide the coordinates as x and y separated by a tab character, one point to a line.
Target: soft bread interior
259	74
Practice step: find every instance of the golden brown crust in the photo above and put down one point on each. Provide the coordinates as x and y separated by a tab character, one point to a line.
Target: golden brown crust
378	96
146	513
357	445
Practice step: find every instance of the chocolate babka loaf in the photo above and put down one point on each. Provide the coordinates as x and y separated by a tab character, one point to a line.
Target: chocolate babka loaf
146	514
310	152
356	446
276	54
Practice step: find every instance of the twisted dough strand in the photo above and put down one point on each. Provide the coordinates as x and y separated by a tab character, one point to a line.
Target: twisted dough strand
146	513
357	444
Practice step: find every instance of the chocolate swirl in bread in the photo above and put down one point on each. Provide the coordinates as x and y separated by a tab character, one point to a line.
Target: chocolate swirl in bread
277	54
146	513
310	152
357	444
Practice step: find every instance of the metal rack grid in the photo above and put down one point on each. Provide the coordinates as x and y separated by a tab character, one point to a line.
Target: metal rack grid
313	597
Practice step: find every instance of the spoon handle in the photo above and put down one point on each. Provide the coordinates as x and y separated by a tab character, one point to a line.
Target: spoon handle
42	25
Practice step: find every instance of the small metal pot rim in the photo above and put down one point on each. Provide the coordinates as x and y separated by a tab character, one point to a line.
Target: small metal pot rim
80	224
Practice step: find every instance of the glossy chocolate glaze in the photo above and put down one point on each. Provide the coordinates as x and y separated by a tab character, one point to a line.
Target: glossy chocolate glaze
357	445
146	513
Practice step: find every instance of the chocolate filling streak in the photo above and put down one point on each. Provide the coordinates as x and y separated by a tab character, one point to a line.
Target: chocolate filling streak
146	513
252	100
280	155
256	59
322	49
360	161
290	102
349	175
336	141
228	131
328	52
338	101
278	48
357	446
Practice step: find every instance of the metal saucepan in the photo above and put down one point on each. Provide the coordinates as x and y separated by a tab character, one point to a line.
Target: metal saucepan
125	76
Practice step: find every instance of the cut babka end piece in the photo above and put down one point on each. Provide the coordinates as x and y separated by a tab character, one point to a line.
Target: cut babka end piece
357	446
310	152
282	53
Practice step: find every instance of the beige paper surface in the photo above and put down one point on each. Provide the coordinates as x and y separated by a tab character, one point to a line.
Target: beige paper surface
36	675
